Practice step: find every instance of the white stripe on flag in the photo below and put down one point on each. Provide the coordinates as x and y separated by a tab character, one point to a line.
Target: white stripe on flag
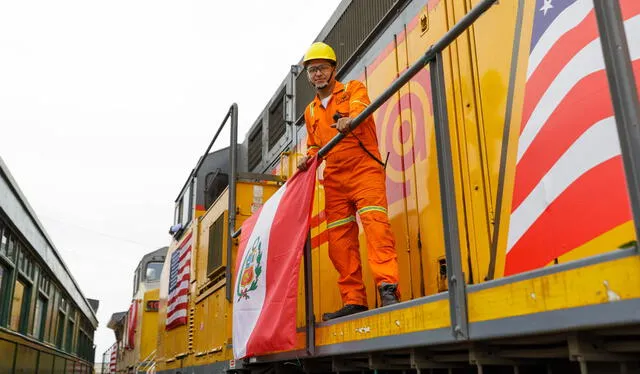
248	311
567	20
595	146
176	315
587	61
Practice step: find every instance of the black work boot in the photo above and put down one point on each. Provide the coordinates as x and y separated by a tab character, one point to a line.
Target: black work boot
344	311
388	293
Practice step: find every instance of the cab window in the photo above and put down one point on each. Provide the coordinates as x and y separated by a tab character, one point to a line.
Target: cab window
152	274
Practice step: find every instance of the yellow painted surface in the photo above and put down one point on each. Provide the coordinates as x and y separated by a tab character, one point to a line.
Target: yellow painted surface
422	317
589	285
149	326
173	342
621	234
477	68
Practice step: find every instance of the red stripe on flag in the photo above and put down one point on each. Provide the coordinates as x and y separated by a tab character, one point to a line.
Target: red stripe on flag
181	270
574	218
182	292
556	59
565	48
565	126
177	322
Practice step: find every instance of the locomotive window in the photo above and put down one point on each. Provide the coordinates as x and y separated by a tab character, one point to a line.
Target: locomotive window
135	281
152	274
186	206
177	214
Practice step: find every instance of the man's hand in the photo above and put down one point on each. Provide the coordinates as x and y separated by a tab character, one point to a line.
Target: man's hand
302	163
343	124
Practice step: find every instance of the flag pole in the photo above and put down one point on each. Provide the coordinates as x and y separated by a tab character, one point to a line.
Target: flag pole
308	291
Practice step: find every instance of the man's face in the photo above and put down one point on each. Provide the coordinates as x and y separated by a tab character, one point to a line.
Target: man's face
320	73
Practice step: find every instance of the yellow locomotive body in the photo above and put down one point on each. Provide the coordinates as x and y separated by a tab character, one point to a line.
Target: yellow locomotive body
572	290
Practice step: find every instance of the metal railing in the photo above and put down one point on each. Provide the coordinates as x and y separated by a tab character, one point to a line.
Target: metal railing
148	363
624	95
627	113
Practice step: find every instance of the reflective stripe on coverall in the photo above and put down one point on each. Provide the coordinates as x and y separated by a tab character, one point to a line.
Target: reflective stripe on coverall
353	182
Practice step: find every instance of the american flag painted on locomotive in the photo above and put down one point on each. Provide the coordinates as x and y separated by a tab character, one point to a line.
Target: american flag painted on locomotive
179	279
113	357
570	186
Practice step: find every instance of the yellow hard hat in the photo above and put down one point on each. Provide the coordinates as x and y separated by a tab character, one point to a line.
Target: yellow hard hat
321	51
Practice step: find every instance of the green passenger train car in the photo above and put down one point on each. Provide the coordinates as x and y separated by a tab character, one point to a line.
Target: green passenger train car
46	324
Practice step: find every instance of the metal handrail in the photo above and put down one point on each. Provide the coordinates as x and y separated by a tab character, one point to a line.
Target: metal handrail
624	95
146	363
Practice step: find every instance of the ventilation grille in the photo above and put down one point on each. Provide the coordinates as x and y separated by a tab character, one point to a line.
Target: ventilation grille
354	25
255	147
215	245
277	124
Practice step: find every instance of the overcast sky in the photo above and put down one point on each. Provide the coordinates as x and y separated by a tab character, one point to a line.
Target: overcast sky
105	106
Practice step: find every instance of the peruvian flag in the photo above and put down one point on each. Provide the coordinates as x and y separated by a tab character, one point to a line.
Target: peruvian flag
267	268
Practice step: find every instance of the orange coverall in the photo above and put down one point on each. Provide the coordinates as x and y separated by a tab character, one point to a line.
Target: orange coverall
353	182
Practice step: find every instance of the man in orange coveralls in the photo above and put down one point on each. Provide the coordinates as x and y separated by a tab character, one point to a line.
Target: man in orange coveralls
354	181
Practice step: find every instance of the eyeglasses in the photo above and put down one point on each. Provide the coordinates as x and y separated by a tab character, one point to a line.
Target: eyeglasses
311	70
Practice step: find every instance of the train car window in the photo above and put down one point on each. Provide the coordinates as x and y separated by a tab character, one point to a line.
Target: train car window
18	255
3	271
12	251
4	277
4	242
152	274
60	333
69	340
216	231
3	239
19	304
39	318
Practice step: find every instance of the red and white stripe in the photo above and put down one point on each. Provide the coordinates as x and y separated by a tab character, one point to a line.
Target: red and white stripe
570	185
113	358
265	321
179	293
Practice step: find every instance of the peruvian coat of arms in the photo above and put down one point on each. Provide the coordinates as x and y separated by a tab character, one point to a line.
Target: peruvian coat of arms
250	271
